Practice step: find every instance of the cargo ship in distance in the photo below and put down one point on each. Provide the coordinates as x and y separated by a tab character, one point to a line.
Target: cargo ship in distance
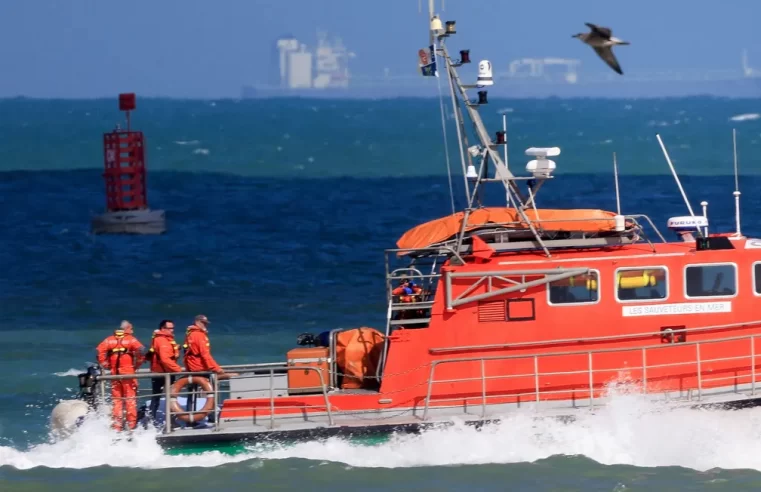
296	71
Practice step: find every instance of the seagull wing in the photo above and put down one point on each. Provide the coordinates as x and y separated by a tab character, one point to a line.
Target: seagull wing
602	31
607	55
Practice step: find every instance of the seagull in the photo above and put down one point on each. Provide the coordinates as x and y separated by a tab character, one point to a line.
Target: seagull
600	39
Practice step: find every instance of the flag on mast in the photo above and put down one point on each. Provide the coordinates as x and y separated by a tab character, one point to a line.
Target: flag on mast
428	61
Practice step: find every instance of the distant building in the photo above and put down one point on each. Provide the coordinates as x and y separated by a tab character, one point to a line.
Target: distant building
279	46
323	72
536	68
332	68
295	66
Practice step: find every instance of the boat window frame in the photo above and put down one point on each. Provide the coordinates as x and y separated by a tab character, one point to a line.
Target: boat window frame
753	277
723	296
584	303
644	267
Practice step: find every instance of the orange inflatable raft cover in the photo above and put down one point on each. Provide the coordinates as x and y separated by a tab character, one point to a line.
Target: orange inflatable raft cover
357	354
582	220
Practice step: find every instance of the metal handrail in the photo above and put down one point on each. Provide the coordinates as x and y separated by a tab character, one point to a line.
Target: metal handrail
649	221
590	370
270	367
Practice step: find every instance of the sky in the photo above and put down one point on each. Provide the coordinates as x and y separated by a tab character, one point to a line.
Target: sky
209	49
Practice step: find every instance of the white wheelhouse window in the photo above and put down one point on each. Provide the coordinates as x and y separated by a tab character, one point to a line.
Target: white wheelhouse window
710	280
574	291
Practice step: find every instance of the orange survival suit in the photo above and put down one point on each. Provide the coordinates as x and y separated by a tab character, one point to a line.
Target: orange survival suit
165	352
406	291
122	354
198	351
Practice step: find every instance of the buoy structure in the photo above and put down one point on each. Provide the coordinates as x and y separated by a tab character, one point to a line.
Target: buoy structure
127	210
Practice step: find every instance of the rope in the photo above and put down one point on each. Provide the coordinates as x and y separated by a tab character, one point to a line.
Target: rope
446	144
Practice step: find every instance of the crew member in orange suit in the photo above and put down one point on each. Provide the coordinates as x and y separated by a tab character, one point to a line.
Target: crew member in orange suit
407	290
164	353
198	349
121	353
198	354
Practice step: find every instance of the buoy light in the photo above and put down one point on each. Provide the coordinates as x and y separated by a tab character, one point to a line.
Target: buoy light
127	102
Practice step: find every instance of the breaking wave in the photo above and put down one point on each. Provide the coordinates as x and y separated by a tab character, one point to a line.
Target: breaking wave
629	430
70	372
745	117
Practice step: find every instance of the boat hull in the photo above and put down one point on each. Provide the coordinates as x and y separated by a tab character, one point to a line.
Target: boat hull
348	426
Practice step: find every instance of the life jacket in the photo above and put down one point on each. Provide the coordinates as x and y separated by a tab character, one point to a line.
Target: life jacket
185	345
120	350
408	293
152	352
200	354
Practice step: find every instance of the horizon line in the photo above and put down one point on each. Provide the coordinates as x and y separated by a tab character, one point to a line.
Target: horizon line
367	98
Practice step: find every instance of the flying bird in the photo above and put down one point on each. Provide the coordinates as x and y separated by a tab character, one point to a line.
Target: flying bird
602	41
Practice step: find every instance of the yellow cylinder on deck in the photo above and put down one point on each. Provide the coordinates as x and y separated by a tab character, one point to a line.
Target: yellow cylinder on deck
589	283
644	280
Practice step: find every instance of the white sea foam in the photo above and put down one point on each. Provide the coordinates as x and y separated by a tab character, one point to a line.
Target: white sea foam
745	117
94	444
70	372
629	430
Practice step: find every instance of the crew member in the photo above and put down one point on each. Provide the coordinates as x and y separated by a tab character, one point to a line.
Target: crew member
407	290
121	353
198	349
198	355
163	354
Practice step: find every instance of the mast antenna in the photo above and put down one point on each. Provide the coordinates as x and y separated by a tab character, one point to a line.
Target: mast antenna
420	7
615	177
673	171
507	165
429	66
737	182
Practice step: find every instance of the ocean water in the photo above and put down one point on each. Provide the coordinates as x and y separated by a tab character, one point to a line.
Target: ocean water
268	251
381	138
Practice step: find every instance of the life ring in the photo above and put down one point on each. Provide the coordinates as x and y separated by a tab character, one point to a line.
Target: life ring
193	416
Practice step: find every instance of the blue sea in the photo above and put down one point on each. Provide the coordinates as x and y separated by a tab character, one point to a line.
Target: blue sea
278	212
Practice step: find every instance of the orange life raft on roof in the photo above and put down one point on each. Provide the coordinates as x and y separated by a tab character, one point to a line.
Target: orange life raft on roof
577	220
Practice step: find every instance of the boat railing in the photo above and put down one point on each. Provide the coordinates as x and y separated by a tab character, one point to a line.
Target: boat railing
425	251
696	364
650	222
243	371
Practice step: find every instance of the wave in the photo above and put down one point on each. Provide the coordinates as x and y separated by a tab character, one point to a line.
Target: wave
745	117
629	430
70	372
95	444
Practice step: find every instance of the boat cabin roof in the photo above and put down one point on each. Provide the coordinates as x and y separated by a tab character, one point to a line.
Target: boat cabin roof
719	247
